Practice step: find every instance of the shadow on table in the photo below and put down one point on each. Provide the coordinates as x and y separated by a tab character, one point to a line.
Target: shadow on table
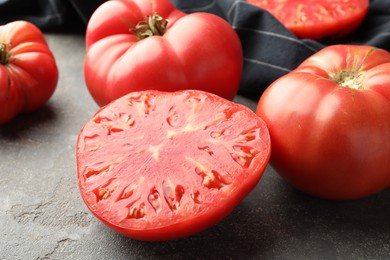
286	224
23	124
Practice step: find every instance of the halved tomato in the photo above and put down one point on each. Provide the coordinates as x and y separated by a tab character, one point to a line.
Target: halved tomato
316	19
162	165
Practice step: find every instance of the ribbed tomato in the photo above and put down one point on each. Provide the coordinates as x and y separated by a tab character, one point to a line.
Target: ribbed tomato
329	122
28	70
135	45
162	165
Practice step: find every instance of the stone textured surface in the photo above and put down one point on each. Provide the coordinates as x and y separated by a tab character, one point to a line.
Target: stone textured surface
42	215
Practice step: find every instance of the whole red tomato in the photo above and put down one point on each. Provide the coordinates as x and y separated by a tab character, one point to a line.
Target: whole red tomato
136	45
317	19
162	165
329	122
28	71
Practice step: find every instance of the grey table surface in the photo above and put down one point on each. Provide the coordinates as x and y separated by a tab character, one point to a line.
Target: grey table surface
42	215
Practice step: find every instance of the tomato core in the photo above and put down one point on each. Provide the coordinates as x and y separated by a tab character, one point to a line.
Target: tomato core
354	79
4	54
151	26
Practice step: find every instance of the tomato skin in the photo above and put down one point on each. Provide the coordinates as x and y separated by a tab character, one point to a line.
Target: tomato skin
317	19
197	51
329	140
25	86
158	165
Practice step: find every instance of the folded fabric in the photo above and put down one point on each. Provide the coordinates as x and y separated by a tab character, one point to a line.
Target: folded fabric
44	14
49	14
270	50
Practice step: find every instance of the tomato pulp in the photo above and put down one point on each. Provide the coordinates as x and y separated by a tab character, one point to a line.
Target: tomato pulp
329	122
162	165
317	19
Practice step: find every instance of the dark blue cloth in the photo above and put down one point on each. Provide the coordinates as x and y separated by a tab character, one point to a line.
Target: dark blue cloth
49	14
270	50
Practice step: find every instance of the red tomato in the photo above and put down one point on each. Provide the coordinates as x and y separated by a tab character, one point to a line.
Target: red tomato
316	19
162	165
329	122
28	71
195	51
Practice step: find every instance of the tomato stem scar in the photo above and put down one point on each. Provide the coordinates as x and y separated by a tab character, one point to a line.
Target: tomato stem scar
354	77
151	26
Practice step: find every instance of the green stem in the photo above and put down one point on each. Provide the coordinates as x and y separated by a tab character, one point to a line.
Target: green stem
4	54
153	25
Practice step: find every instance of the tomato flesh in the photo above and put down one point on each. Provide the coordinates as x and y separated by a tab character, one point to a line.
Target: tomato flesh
157	165
316	19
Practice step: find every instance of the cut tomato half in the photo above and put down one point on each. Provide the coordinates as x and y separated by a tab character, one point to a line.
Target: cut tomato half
162	165
317	19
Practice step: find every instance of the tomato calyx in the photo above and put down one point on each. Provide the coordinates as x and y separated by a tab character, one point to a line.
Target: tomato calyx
153	25
4	54
354	79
